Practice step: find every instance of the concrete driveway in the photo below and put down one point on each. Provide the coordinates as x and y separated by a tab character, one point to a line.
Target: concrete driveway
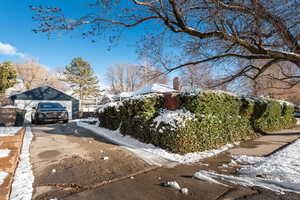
72	163
68	159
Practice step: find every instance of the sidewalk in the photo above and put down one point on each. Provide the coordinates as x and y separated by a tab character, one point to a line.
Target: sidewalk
267	144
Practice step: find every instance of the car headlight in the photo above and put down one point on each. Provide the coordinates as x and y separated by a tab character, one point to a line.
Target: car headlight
40	114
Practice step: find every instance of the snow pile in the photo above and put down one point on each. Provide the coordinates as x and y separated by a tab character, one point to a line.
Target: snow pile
8	106
9	131
278	172
154	88
23	180
4	153
172	184
184	190
280	168
105	158
173	118
203	176
150	153
2	177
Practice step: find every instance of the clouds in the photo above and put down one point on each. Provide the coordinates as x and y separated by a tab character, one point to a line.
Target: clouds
9	50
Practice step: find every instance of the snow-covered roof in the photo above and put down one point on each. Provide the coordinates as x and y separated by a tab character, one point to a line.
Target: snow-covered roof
124	94
154	88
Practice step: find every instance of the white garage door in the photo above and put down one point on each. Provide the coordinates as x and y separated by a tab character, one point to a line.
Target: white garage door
29	104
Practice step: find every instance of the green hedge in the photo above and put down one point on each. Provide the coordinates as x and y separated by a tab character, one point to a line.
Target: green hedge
217	118
273	115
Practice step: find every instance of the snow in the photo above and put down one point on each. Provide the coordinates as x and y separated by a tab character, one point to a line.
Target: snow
150	153
173	118
203	176
278	172
111	104
22	184
8	106
184	190
104	158
2	177
172	184
124	95
154	88
4	153
9	131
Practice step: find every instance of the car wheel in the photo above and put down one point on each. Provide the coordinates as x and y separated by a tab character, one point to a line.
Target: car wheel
66	121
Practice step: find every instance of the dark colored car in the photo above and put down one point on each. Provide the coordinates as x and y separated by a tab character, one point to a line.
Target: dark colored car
297	114
48	112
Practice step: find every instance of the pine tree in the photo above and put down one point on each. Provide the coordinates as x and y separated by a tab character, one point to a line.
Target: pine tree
80	75
8	76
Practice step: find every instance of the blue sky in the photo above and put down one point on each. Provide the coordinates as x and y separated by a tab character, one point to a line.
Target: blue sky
16	32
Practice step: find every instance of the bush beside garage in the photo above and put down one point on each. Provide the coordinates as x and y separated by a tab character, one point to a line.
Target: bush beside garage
203	120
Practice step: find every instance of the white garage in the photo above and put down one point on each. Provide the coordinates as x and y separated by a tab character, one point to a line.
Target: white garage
30	98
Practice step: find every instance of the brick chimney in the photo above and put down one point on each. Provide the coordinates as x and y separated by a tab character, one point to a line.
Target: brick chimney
176	83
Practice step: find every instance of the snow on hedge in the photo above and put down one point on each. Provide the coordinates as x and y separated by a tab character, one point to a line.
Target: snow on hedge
278	172
4	153
173	117
23	179
9	131
110	104
150	153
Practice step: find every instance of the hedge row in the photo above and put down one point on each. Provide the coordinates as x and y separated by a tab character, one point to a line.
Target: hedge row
206	120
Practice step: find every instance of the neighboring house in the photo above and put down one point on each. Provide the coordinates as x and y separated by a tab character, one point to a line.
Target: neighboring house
30	98
122	95
154	88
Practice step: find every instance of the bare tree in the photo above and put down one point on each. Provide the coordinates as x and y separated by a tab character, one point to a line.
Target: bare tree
128	77
34	75
197	77
270	82
206	30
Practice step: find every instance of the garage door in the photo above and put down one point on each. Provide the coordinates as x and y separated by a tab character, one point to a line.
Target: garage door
28	105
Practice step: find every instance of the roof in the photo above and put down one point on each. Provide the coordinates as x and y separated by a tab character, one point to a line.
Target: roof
124	94
154	88
43	93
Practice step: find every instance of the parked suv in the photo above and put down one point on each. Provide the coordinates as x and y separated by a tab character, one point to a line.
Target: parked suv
48	111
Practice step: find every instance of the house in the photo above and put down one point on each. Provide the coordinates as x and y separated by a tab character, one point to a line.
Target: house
154	88
30	98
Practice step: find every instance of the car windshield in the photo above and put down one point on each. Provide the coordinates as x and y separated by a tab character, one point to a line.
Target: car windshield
49	105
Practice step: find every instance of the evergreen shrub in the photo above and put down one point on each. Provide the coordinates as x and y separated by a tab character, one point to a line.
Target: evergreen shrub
206	120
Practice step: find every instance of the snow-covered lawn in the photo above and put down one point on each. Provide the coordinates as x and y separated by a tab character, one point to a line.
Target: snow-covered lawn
279	172
9	131
150	153
23	180
2	177
4	153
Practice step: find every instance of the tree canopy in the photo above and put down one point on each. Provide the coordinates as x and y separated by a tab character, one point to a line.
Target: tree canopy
79	75
34	74
8	76
200	31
